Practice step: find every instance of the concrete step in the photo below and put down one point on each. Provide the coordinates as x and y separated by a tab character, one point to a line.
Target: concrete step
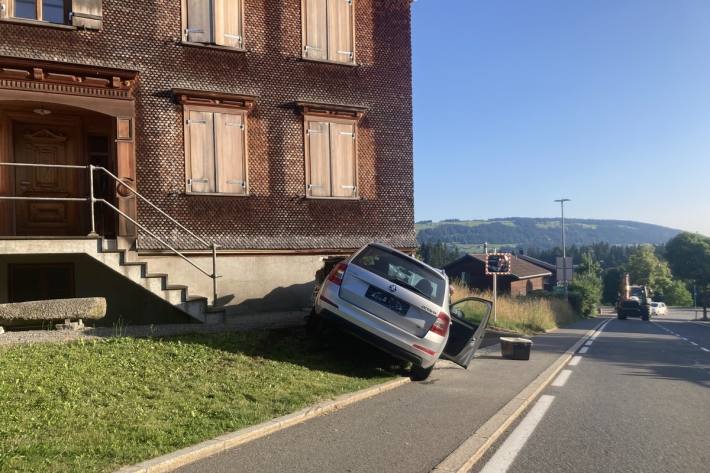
119	256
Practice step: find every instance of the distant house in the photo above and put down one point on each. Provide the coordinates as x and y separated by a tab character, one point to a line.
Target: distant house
525	276
550	281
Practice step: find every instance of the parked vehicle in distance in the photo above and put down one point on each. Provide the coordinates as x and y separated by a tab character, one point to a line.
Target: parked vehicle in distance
401	305
658	308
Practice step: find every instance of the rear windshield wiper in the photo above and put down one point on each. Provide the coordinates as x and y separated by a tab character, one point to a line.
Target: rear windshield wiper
410	287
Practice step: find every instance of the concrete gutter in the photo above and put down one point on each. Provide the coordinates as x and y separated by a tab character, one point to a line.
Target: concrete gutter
470	451
175	460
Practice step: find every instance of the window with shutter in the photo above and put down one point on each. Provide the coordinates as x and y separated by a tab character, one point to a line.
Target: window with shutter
328	30
218	22
199	136
331	158
318	162
342	159
198	27
230	144
228	23
216	149
315	33
87	14
340	31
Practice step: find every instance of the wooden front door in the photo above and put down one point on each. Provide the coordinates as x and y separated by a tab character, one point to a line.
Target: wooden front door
40	144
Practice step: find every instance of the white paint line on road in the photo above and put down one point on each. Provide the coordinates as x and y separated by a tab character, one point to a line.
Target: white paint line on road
682	337
506	454
588	343
583	350
562	378
575	361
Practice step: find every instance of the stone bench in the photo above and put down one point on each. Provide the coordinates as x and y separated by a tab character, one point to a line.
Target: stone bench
72	312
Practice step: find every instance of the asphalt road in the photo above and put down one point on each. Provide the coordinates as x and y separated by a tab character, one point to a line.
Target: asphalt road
410	429
638	400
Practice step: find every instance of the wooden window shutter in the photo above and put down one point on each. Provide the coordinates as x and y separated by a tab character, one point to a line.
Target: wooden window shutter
230	156
228	23
317	159
340	31
87	14
199	21
315	34
199	131
342	159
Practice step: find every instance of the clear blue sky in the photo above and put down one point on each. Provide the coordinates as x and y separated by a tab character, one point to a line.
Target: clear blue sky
606	102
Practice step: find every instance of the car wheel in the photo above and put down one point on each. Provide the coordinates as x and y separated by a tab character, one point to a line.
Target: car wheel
420	374
645	317
621	317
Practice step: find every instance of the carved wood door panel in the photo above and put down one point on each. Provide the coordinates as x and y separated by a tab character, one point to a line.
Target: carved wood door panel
38	144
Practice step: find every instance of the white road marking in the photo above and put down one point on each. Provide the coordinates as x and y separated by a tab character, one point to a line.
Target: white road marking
575	360
583	350
589	343
682	337
506	454
562	378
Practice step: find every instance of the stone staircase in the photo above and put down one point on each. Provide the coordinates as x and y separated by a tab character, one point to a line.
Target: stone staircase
118	256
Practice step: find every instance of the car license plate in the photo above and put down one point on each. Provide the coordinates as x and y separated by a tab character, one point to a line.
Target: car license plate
387	300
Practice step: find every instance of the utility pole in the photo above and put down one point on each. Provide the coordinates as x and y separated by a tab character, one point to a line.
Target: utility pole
564	245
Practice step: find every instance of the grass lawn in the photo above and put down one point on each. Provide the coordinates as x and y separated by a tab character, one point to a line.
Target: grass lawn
95	406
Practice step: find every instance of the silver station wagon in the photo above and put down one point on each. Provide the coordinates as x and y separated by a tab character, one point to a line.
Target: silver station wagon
402	306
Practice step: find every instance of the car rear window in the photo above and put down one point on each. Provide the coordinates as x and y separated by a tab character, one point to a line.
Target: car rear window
403	271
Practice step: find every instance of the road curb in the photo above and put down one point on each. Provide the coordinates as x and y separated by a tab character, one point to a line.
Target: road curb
171	461
470	451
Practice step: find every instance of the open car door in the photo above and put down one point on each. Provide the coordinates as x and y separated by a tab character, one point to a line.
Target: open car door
469	318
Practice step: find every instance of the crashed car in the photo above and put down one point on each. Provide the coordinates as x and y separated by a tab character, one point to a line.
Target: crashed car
401	305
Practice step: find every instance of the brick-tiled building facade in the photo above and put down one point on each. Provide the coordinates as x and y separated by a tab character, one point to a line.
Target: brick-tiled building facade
146	47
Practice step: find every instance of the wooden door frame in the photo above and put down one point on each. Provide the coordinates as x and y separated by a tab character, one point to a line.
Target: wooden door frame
97	89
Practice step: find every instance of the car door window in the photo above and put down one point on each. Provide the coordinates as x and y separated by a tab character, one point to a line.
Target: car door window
469	318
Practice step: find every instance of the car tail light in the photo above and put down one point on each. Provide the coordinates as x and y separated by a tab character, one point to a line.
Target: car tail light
336	275
441	324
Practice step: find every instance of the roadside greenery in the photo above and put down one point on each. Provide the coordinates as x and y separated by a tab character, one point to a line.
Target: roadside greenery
586	285
94	406
527	315
689	256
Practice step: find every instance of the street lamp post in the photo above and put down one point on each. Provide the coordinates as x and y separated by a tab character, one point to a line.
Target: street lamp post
564	245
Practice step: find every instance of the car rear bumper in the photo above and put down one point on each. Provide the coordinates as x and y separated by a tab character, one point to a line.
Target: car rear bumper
374	340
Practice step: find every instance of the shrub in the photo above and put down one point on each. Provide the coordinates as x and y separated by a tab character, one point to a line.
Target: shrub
589	288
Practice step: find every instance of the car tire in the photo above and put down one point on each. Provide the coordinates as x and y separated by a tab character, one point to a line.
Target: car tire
420	374
645	317
621	317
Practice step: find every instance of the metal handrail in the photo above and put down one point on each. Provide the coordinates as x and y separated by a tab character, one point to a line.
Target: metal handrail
137	194
93	200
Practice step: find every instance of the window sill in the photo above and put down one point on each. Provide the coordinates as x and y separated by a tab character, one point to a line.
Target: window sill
350	199
215	194
326	61
43	24
213	46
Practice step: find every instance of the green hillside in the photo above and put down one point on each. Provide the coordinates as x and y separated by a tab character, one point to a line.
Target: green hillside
540	232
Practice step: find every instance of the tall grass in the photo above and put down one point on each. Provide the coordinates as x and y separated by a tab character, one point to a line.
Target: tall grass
526	315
